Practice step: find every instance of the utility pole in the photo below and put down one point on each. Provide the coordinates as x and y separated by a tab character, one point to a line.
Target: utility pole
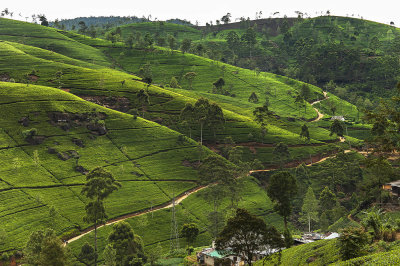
174	237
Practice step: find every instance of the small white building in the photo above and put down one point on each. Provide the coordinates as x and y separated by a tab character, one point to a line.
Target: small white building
338	117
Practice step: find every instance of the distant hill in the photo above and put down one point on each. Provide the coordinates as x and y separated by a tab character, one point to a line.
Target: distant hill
105	22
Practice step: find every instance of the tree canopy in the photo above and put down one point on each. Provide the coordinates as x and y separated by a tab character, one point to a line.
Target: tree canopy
247	234
282	189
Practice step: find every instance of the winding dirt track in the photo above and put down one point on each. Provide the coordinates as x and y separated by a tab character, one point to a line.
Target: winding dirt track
166	205
184	195
320	115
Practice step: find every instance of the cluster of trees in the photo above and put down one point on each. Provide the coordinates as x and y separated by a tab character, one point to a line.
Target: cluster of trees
203	114
101	24
123	248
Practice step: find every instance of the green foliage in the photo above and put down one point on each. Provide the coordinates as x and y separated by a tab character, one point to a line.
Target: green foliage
44	248
29	133
327	199
245	233
173	83
214	169
379	172
127	245
189	76
337	128
87	254
352	242
186	44
282	189
190	232
310	208
281	151
100	183
253	98
304	132
110	256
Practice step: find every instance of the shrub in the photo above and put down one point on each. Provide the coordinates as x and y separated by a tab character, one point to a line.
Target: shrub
4	257
29	133
173	83
70	234
253	98
352	242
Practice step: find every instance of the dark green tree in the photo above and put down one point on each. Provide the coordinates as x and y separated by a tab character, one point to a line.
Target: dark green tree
219	83
187	116
87	255
186	44
282	189
249	38
261	114
226	18
218	172
327	199
353	243
82	27
173	83
189	76
233	41
305	133
337	128
148	40
216	118
128	245
207	114
190	231
143	100
379	171
305	92
43	20
99	185
129	41
215	168
45	248
171	42
282	152
246	233
253	98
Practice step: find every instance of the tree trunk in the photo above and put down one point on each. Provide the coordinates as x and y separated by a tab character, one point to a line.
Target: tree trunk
285	221
95	243
309	223
201	133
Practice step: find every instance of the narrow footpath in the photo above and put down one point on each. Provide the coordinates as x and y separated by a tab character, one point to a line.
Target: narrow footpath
166	205
320	115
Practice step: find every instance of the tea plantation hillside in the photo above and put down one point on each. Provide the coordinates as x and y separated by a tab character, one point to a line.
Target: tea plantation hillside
155	227
49	139
326	252
353	57
70	103
27	64
49	39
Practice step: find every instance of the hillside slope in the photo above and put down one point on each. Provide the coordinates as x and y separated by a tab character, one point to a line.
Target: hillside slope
74	136
27	64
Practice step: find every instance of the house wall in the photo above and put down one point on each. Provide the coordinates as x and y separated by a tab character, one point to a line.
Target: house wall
209	261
